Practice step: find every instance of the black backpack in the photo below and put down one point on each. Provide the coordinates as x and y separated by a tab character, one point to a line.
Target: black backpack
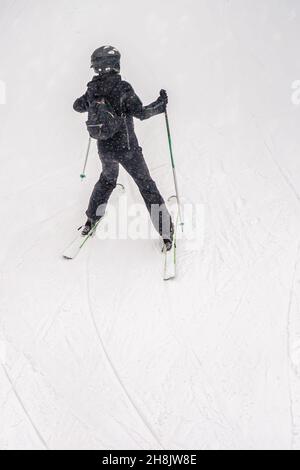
103	122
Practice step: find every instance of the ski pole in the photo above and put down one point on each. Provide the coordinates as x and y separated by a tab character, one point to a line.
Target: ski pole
83	175
174	170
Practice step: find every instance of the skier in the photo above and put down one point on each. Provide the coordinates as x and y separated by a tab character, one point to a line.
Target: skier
123	147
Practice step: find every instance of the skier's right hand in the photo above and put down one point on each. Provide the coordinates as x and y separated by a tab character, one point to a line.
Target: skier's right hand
163	97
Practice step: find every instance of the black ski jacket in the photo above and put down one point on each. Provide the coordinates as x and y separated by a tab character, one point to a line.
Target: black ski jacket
123	99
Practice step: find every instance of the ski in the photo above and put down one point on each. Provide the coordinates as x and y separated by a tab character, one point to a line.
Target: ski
74	248
170	263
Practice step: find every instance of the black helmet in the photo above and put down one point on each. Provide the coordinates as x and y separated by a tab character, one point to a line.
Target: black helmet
106	59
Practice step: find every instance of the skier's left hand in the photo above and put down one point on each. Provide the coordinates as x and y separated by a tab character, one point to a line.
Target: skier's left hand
164	98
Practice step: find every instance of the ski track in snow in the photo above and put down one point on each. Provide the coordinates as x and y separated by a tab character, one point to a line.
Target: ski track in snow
100	353
111	365
19	399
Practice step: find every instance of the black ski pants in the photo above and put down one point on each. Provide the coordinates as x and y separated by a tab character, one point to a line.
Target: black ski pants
134	163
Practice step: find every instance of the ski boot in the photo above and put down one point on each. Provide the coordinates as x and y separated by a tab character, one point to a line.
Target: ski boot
89	226
168	242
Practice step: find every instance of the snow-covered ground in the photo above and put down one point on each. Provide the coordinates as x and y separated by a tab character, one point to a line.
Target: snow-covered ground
100	353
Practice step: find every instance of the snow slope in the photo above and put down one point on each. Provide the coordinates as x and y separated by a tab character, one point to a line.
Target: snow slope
100	353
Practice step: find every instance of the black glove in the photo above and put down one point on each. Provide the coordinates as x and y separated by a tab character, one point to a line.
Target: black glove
164	98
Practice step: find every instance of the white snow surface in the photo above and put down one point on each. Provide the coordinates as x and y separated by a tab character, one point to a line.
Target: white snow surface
100	353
